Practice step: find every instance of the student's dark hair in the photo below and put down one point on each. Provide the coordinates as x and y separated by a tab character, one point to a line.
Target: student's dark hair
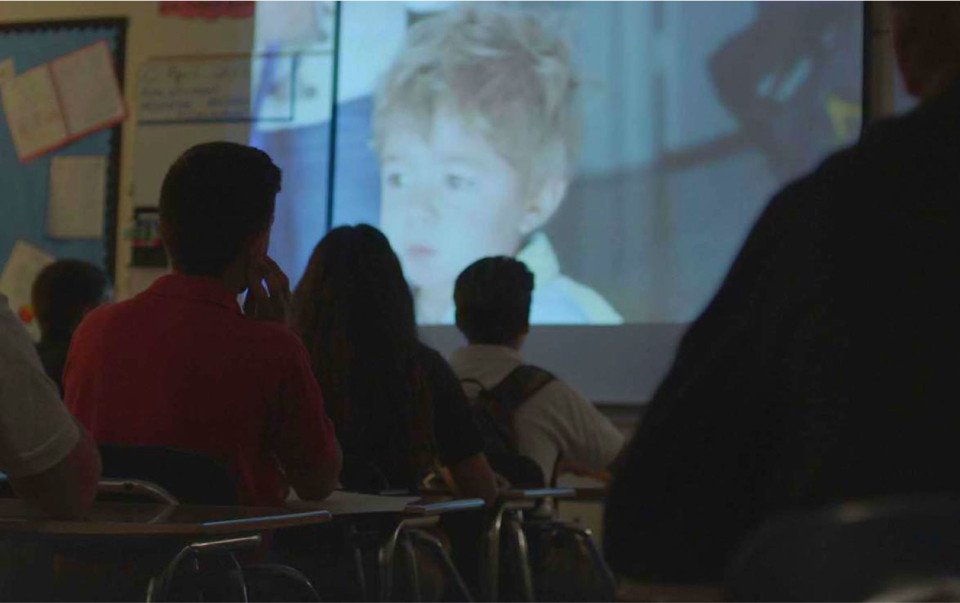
354	312
213	199
64	291
493	300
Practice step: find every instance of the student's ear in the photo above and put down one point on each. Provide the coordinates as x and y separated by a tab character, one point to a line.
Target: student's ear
901	46
259	243
543	204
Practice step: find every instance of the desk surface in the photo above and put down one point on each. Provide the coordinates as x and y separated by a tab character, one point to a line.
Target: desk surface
537	493
137	519
341	503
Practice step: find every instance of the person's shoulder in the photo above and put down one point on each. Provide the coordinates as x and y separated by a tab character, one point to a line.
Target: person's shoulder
98	319
432	362
272	337
556	393
562	300
889	150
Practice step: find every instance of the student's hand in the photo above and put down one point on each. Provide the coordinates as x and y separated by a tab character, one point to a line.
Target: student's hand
579	469
271	302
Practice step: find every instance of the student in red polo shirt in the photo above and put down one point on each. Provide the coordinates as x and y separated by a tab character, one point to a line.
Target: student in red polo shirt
181	366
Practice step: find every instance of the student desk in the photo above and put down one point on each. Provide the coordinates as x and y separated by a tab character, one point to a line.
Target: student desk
506	518
345	504
153	535
390	516
149	519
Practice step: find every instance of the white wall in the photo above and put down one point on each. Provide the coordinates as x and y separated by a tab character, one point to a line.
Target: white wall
148	35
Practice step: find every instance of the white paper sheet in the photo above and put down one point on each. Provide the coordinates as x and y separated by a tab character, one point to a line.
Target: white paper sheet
33	113
7	70
77	196
25	263
89	93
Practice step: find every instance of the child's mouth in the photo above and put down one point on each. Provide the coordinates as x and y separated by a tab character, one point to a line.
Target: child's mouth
420	252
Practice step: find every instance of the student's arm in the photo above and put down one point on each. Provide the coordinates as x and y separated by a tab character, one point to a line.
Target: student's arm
301	432
306	443
594	441
67	489
459	440
49	459
474	478
559	423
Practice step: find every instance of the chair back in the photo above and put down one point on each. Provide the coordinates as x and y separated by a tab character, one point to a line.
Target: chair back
360	475
191	477
849	552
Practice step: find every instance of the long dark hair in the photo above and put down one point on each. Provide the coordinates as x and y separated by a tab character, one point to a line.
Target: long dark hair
354	312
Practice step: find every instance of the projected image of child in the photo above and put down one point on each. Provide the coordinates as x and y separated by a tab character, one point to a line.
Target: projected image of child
476	128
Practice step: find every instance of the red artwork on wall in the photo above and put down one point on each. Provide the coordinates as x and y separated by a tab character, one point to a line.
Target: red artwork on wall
207	10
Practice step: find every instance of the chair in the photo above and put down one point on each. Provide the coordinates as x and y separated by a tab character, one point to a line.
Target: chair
192	478
361	475
850	552
518	539
169	476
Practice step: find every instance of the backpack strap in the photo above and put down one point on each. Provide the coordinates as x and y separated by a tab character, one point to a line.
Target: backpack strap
520	385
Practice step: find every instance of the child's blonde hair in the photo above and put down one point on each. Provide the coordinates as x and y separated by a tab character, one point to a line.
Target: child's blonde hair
502	74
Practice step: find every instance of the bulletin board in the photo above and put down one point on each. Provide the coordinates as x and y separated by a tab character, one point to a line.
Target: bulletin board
25	189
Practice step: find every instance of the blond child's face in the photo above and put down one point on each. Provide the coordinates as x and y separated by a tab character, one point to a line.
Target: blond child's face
447	200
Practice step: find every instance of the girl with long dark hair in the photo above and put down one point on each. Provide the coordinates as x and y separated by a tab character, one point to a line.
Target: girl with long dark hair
398	408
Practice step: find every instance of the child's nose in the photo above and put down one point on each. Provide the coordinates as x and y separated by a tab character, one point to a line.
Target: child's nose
426	201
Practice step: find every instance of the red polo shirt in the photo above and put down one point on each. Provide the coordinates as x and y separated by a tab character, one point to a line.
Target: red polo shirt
180	366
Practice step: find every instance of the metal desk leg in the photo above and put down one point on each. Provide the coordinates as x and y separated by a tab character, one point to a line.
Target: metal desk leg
518	541
385	557
490	558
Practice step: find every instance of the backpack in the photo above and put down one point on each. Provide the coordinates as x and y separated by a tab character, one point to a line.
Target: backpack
493	411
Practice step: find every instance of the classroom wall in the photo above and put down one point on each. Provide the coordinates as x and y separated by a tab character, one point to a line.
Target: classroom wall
148	35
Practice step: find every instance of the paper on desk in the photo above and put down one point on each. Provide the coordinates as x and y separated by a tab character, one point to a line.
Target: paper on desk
7	70
89	92
25	263
33	113
77	192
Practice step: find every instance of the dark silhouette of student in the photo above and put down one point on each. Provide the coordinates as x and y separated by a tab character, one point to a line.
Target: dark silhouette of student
825	366
63	293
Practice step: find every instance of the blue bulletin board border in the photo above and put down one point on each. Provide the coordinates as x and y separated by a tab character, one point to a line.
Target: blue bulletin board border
24	187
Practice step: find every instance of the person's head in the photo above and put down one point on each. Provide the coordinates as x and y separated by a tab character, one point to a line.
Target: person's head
926	37
354	312
493	301
216	209
353	295
64	292
476	127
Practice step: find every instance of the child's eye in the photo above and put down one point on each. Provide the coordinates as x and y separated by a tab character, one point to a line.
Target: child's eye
395	179
459	183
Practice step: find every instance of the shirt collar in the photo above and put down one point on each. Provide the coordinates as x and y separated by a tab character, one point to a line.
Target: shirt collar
540	258
481	351
196	288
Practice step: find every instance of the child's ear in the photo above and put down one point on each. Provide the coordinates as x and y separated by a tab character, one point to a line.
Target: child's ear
544	203
258	246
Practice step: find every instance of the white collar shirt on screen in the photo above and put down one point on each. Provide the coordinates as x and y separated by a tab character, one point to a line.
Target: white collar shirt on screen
556	421
558	299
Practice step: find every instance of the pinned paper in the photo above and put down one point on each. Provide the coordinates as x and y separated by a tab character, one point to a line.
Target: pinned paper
33	113
63	100
77	196
88	90
7	71
16	281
